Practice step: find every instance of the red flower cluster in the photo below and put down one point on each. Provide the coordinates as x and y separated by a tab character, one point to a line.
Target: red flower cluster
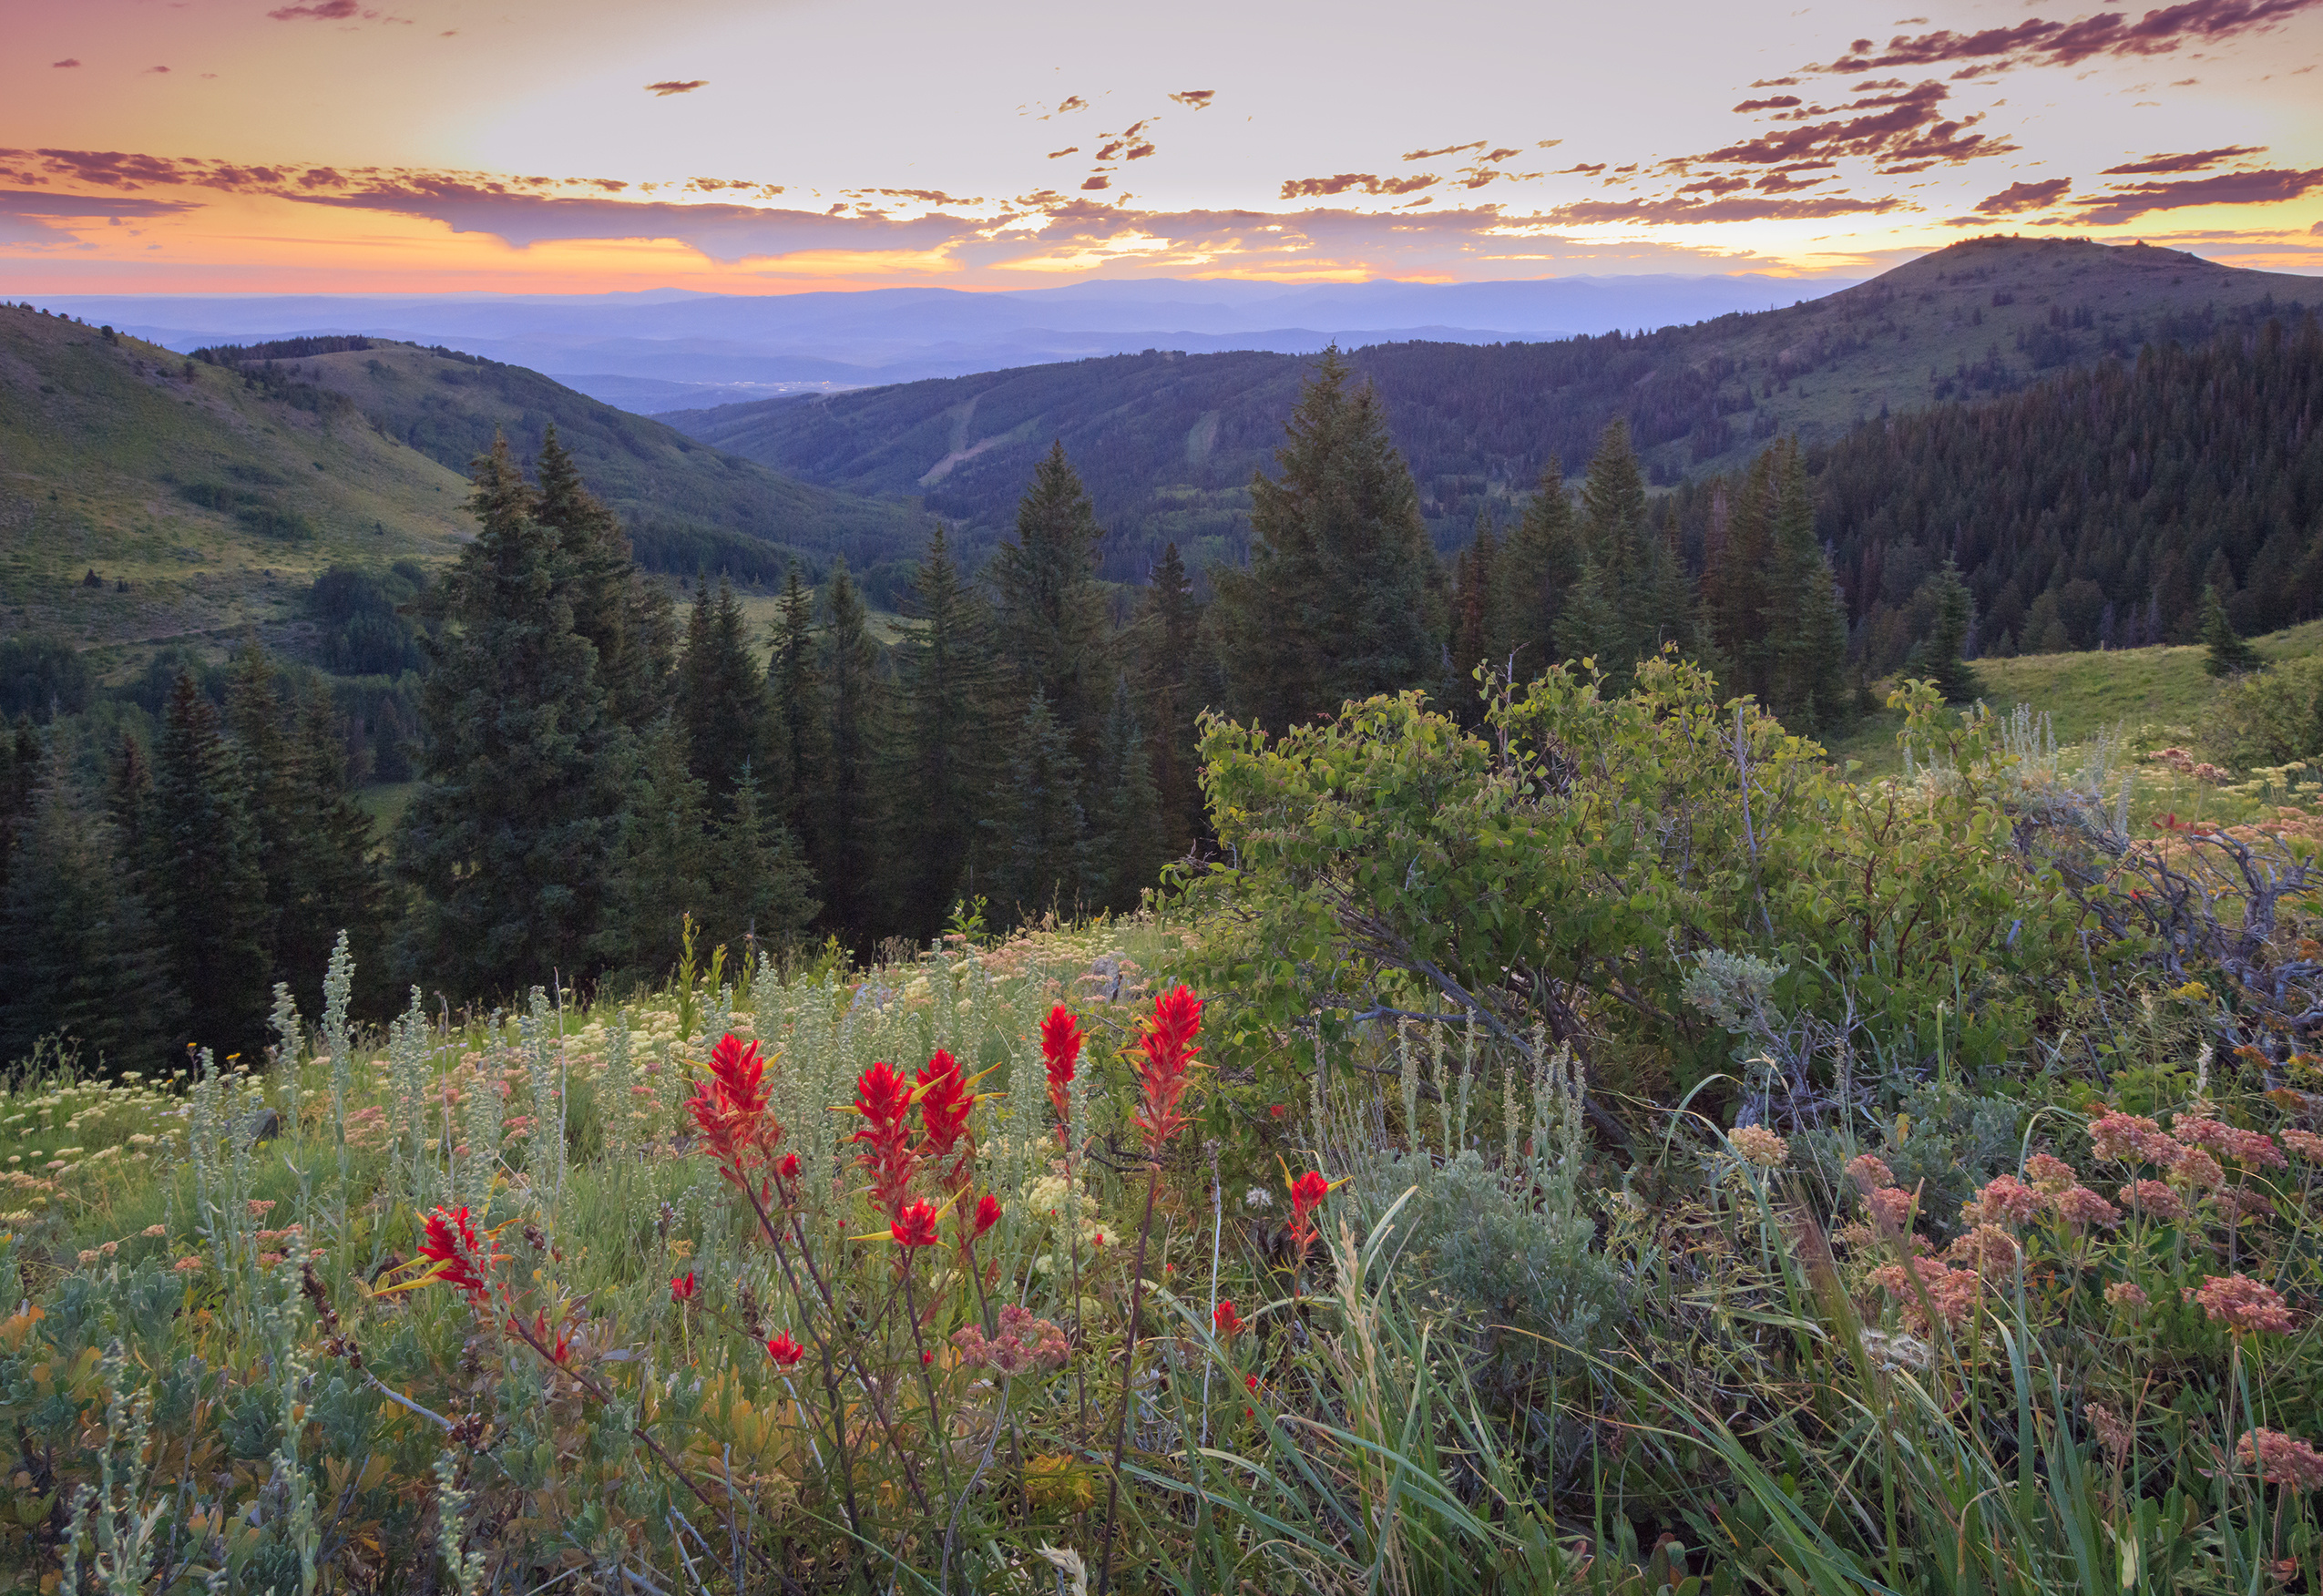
1225	1321
729	1108
884	1099
1169	1052
1307	1193
914	1226
684	1288
451	1243
784	1351
945	1103
1059	1052
987	1215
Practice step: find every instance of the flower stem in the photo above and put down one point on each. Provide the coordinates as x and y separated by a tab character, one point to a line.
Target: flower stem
1128	1368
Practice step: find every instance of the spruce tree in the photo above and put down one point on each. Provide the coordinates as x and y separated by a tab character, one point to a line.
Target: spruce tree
849	834
723	699
21	759
944	749
208	891
1632	596
82	955
623	617
1945	660
1539	566
1033	846
762	891
1479	607
1341	597
799	737
1167	632
1049	610
506	840
1737	578
1803	626
660	868
2227	654
1126	846
337	880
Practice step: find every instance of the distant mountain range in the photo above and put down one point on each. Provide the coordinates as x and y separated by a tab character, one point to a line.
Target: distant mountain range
672	350
1168	443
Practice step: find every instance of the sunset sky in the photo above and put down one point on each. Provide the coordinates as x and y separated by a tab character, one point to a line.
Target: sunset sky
437	145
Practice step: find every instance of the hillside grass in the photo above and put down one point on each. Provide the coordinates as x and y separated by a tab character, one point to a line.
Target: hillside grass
2151	698
100	442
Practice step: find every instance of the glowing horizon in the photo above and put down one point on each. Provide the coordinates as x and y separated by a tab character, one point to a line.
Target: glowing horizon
338	147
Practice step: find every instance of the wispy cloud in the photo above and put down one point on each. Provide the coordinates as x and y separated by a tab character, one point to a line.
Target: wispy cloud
2199	161
2036	43
670	85
2259	187
2018	198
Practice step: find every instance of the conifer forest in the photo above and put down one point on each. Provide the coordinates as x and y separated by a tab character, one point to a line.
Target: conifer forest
1754	1031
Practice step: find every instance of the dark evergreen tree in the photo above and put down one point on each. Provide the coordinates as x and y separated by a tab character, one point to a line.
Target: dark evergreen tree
1127	845
848	865
660	871
2225	653
722	697
1945	660
336	883
1633	596
82	955
1167	631
1032	852
762	891
207	890
508	838
1805	625
1049	613
1540	567
798	739
21	759
1480	611
1737	578
624	617
945	751
1342	596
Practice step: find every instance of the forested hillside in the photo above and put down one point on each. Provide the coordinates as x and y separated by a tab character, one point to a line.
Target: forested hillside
1168	443
2095	508
687	507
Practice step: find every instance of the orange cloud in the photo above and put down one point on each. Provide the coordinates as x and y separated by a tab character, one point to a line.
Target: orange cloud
670	85
2023	196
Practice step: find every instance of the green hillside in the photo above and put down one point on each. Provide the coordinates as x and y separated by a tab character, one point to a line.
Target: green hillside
2149	697
1168	443
202	506
688	507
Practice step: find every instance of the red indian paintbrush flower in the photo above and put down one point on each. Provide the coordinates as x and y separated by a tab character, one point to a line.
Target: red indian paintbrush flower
1060	1051
684	1287
452	1243
784	1351
1307	1193
1169	1052
944	1104
884	1099
557	1347
729	1108
987	1215
1227	1323
914	1226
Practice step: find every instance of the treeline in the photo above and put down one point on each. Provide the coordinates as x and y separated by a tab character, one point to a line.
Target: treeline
2095	508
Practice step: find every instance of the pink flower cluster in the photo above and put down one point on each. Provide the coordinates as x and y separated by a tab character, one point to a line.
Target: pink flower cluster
2278	1460
1024	1343
2241	1304
1952	1293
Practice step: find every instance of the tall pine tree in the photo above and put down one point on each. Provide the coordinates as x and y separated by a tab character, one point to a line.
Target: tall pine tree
1126	846
203	874
1539	566
2225	653
1633	595
1805	625
660	871
1167	630
849	808
723	699
1032	852
762	891
944	753
623	617
799	737
83	956
1342	595
1049	613
508	839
